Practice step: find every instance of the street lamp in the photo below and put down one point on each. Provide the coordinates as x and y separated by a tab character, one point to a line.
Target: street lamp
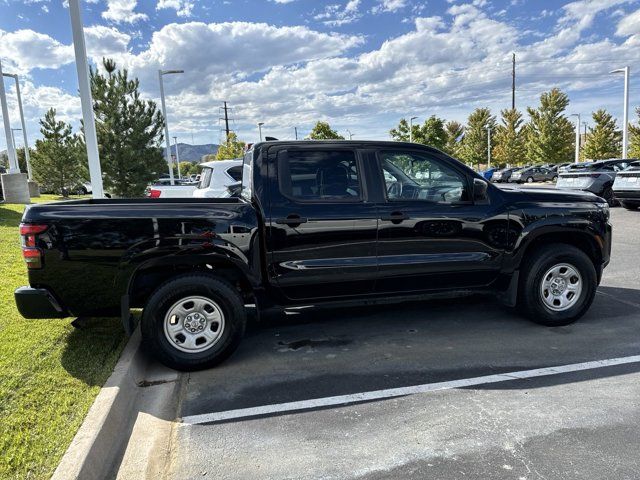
488	147
166	123
11	150
13	138
260	124
625	115
24	128
90	137
411	129
350	134
175	142
577	159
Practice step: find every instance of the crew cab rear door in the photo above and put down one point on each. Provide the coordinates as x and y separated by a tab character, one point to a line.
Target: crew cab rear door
321	228
432	235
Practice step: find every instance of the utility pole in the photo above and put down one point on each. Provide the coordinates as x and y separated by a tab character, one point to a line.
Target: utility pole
260	124
295	129
226	121
625	115
513	82
175	142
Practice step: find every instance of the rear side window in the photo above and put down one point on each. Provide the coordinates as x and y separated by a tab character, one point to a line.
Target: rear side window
205	177
319	175
235	173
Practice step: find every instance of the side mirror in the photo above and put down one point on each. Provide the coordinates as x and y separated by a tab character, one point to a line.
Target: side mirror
480	191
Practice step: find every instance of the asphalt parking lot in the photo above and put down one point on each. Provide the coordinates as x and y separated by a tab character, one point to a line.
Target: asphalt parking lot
238	422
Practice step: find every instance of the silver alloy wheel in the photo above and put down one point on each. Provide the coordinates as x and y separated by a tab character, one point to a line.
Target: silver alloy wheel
561	287
194	324
530	180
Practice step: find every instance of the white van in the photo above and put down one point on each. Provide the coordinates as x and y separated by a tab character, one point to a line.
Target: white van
216	176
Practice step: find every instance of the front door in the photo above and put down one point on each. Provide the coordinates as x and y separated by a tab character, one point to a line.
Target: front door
321	235
432	235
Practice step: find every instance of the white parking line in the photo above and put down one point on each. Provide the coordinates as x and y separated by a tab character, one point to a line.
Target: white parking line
402	391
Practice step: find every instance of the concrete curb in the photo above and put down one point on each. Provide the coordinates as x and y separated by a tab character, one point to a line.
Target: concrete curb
99	445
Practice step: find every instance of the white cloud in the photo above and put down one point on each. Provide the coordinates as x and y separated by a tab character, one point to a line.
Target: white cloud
335	15
122	11
183	8
26	49
389	6
283	1
629	25
103	41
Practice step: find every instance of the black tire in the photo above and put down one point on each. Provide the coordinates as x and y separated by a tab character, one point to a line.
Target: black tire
81	191
630	206
608	195
215	289
530	302
554	179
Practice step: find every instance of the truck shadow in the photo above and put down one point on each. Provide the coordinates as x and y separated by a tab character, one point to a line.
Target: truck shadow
9	217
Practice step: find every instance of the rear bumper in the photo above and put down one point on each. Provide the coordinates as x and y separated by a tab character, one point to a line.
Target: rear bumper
627	195
38	303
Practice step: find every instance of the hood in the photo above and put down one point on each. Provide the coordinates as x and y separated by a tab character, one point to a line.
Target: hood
554	195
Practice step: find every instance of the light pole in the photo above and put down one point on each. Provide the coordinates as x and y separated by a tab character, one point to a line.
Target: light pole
166	123
577	159
625	115
11	149
260	124
175	142
24	128
411	129
90	137
295	130
488	147
13	139
350	134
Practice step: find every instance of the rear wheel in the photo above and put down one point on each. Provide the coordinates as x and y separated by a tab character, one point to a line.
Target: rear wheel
193	321
529	179
608	195
557	286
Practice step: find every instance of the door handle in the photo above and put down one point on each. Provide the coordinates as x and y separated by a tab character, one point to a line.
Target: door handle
292	220
395	217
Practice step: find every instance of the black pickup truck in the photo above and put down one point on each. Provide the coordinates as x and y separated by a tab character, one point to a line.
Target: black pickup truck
336	222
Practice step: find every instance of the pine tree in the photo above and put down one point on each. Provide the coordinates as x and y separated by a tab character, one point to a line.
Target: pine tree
550	137
509	139
231	148
474	144
604	139
323	131
454	131
129	132
58	160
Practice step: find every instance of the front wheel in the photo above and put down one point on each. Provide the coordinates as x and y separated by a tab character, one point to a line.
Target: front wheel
530	180
608	195
193	321
557	286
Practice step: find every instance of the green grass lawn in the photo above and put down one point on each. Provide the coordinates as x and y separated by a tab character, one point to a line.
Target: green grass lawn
50	372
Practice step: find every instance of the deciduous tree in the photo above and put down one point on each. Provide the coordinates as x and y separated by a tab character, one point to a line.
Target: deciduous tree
231	148
323	131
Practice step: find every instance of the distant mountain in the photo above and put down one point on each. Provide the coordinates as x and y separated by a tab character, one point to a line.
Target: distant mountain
194	153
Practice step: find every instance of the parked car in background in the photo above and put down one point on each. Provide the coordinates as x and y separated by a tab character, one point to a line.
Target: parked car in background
626	186
504	175
594	177
216	178
162	188
488	174
533	174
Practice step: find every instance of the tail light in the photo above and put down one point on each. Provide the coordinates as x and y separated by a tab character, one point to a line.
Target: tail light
30	252
154	193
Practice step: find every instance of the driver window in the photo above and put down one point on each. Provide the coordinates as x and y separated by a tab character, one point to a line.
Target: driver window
415	176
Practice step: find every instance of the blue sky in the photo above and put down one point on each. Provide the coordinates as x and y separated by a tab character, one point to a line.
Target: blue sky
359	64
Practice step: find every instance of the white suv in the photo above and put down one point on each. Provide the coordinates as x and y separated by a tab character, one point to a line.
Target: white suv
217	176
